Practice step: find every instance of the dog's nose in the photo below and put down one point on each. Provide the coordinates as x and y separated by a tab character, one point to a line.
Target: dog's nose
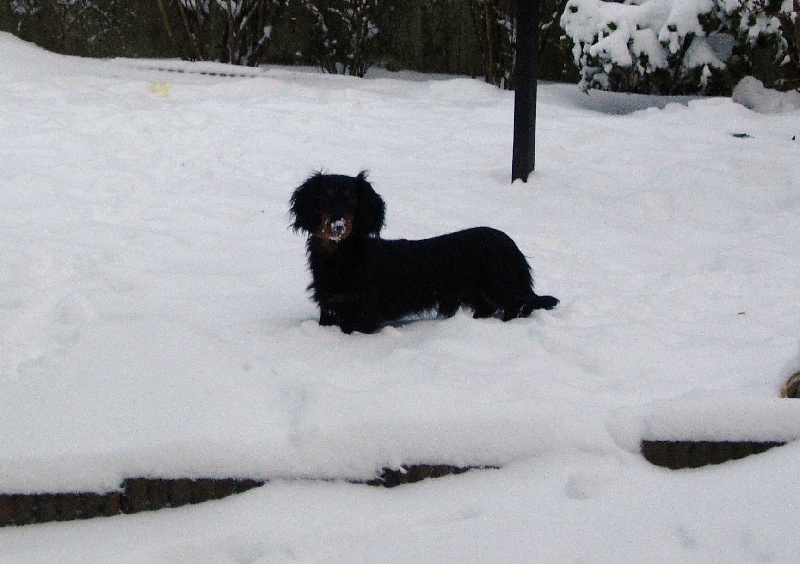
338	227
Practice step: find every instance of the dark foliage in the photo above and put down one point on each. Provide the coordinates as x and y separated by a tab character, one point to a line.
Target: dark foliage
347	36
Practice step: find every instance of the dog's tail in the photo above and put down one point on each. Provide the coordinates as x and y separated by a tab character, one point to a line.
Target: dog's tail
528	305
544	302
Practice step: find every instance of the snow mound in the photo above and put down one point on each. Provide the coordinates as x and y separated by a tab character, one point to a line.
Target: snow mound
727	417
751	93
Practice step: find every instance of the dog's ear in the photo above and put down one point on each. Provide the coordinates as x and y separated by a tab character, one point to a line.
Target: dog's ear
303	205
370	208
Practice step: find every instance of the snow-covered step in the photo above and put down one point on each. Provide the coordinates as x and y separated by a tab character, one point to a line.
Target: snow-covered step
708	428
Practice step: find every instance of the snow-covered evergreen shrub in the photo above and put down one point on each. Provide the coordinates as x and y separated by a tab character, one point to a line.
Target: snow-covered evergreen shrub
344	33
230	31
91	25
496	30
681	46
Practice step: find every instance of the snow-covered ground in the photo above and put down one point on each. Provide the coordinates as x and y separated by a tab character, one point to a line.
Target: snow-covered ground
155	320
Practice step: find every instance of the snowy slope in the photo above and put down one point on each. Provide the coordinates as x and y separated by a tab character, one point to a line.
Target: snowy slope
155	321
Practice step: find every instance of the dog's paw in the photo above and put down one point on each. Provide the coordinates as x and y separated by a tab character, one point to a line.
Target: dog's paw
366	327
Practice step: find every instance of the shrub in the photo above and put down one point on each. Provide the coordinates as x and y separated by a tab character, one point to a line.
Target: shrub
229	31
96	28
344	34
496	30
682	46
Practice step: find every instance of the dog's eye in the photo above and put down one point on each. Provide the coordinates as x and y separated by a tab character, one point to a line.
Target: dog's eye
331	192
346	193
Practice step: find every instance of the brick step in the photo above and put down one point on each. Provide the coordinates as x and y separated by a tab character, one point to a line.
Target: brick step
149	494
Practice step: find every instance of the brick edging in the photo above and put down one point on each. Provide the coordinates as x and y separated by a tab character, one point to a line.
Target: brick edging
150	494
695	454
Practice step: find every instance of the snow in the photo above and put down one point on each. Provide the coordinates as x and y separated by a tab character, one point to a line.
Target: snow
155	319
751	93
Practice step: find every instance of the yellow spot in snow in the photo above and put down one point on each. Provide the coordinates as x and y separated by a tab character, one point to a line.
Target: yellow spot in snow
161	88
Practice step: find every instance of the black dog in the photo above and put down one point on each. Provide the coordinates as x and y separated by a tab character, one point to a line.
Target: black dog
362	282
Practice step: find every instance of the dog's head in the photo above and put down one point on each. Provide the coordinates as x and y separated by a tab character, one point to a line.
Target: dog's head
335	206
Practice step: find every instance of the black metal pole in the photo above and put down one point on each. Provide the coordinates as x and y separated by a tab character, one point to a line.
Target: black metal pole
525	75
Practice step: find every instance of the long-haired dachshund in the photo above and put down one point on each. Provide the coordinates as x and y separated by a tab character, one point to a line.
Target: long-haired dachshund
362	282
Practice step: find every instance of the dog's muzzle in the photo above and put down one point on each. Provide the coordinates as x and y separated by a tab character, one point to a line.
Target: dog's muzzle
336	230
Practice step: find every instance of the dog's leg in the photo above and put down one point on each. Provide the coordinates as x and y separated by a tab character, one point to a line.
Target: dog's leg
448	308
327	317
517	310
363	320
482	306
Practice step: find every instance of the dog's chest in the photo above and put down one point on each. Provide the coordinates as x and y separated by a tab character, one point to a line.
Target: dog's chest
335	276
